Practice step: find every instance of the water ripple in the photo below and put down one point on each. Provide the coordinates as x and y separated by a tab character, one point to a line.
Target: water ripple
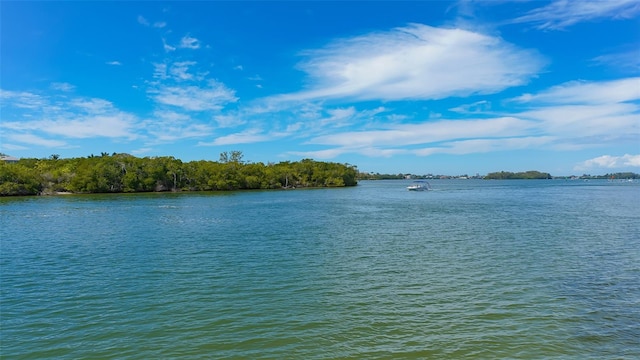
474	270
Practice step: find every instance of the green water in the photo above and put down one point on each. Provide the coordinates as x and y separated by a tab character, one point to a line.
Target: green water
473	269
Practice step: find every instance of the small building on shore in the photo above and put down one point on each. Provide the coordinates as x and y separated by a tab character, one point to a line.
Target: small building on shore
9	159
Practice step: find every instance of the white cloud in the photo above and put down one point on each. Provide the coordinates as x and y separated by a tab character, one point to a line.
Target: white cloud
36	140
181	93
427	132
160	71
170	126
561	14
377	152
568	117
65	87
171	133
114	63
339	117
486	145
5	146
320	154
610	162
166	46
228	120
21	99
117	125
65	117
448	147
158	24
92	105
179	70
142	20
586	114
335	152
319	119
171	117
627	60
587	120
416	62
482	106
244	137
188	42
292	128
582	92
140	151
395	118
193	98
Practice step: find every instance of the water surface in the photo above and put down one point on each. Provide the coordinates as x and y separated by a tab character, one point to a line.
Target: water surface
473	269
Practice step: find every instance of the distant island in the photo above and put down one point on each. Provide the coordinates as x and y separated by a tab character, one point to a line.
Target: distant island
123	173
495	175
501	175
532	174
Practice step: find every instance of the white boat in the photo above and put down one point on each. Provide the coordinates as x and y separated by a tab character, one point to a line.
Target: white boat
419	185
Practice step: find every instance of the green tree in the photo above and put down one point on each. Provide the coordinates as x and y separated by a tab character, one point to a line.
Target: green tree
16	179
126	173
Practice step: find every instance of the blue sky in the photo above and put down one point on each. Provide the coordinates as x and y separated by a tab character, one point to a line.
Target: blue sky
460	87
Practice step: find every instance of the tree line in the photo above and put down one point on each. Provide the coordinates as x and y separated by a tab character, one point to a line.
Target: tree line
612	176
503	175
118	173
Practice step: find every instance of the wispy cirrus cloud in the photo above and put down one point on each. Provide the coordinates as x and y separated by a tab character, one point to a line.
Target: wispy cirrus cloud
584	92
211	97
31	139
166	46
178	86
481	106
62	86
168	127
178	71
80	126
474	146
567	117
573	121
299	123
561	14
21	99
624	60
50	120
325	154
587	114
427	132
415	62
244	137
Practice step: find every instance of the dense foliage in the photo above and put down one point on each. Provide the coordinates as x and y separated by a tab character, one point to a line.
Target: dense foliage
519	175
127	173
